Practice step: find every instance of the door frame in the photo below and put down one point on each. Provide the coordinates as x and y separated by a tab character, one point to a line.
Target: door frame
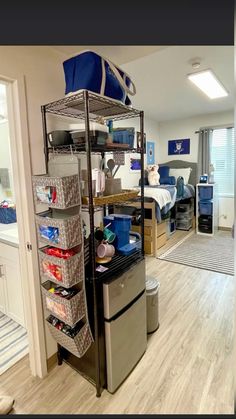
29	271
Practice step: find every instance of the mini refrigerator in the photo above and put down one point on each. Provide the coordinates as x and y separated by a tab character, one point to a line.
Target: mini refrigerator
125	323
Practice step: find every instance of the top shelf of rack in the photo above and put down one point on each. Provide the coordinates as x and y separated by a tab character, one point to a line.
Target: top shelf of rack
73	105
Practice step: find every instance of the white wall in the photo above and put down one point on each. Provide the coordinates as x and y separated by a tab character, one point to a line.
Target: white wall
5	161
44	80
185	128
128	178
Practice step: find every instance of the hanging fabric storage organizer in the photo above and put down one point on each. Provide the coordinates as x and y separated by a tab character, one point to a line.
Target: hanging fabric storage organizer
71	270
69	311
77	345
60	192
63	231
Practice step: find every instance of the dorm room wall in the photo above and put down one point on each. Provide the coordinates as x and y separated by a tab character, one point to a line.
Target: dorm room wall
129	178
44	80
185	128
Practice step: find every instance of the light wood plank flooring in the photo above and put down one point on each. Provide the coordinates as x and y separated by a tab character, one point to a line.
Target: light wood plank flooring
187	367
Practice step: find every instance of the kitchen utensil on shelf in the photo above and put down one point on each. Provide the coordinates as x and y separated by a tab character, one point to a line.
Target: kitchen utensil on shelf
116	170
111	165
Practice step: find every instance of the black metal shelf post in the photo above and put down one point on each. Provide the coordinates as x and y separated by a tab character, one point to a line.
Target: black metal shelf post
88	106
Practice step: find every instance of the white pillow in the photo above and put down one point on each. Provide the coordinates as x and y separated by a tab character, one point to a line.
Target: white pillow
185	173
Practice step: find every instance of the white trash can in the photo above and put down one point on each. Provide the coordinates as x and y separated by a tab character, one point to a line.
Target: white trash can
152	288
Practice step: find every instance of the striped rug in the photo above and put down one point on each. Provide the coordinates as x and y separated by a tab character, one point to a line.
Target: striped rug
13	342
210	253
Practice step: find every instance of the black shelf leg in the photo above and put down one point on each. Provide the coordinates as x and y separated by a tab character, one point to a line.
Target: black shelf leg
59	355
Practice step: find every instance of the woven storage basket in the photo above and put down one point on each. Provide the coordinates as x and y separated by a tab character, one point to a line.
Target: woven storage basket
77	345
70	230
68	311
71	269
67	190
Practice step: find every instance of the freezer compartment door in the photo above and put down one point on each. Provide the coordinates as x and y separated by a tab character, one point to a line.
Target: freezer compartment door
120	292
126	342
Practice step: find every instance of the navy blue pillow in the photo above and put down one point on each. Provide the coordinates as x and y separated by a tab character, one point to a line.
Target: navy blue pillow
168	180
164	171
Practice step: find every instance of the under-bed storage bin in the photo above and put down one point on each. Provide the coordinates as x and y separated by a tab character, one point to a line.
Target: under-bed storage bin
69	311
59	192
64	233
183	224
183	207
184	215
78	344
205	192
64	272
205	208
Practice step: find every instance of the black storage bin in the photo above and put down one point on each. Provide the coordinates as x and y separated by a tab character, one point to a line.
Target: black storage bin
96	137
205	228
205	220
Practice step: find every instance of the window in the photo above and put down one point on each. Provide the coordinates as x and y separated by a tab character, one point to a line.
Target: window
222	158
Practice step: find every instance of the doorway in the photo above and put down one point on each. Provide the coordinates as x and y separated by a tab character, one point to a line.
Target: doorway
18	256
13	333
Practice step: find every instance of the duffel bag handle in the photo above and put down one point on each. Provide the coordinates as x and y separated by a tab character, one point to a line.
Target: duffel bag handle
117	75
121	80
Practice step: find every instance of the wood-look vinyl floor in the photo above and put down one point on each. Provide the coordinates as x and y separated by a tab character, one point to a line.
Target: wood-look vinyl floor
187	368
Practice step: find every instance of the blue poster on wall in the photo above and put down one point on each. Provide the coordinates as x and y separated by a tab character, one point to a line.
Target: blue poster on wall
181	146
150	152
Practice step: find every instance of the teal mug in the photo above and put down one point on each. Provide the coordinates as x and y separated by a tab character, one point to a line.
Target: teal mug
109	236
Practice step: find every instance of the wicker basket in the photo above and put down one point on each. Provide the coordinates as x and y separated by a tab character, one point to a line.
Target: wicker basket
125	195
68	311
67	190
71	269
77	345
69	230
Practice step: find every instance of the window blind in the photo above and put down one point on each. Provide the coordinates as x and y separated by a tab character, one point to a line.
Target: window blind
222	158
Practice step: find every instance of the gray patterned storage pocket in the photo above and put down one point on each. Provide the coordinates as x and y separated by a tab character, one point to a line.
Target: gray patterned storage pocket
69	311
60	192
69	271
63	233
77	345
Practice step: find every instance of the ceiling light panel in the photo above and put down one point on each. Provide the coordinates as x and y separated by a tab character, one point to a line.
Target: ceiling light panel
208	83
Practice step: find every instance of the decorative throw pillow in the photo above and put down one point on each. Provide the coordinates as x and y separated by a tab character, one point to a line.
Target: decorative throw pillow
163	171
169	180
185	173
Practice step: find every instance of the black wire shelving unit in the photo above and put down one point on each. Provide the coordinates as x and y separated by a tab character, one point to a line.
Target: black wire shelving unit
89	106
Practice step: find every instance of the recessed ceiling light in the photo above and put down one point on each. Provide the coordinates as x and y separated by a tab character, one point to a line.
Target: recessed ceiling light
208	83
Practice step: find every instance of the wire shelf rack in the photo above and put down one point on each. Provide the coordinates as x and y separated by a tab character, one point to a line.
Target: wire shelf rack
100	107
80	148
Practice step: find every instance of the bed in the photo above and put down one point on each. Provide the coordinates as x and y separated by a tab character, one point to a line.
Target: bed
165	196
159	201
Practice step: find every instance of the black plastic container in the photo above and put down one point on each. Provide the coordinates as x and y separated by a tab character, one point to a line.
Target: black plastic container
205	228
205	220
59	137
96	137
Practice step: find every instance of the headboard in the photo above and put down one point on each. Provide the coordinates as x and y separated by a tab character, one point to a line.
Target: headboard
181	164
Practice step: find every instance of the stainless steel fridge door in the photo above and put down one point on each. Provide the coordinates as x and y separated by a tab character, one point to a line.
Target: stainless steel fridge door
126	342
120	292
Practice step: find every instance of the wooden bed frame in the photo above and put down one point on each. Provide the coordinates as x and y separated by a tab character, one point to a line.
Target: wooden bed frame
154	231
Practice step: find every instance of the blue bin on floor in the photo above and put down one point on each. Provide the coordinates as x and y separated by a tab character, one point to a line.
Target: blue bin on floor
7	215
205	192
205	208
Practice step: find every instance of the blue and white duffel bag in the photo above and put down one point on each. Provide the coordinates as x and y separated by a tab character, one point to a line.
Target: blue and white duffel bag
93	72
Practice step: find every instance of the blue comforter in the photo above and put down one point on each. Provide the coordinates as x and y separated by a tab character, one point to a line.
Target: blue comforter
189	192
